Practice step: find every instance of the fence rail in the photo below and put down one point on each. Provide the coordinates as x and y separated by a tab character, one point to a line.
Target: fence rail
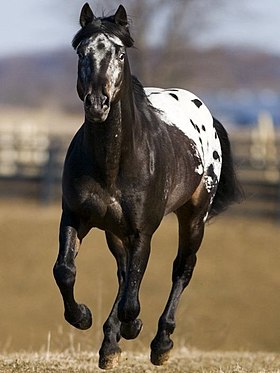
257	156
31	162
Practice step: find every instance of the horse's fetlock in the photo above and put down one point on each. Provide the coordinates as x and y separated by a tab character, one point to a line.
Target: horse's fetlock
162	343
167	325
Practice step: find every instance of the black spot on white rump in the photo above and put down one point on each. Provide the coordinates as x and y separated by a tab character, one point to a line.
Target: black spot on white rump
174	96
194	125
197	102
216	155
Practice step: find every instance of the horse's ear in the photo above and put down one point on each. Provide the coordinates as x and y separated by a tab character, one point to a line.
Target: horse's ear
121	17
86	15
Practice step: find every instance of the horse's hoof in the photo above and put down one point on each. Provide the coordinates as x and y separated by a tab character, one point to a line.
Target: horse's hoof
85	318
109	361
131	330
159	358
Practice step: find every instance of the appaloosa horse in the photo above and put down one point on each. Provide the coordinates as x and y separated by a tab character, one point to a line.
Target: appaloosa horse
139	155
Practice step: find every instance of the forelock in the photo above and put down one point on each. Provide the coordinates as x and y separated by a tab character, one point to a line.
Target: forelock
105	26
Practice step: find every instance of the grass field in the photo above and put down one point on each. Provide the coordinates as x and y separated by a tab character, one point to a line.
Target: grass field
183	361
232	303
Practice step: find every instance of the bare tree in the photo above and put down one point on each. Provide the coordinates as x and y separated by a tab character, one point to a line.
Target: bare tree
163	33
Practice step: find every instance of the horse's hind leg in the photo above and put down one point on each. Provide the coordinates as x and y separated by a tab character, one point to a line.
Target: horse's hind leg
191	228
64	271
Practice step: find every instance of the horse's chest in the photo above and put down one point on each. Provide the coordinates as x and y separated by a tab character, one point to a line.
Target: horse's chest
94	203
105	214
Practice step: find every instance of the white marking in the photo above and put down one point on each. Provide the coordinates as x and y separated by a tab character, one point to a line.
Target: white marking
205	217
152	162
195	122
209	183
114	69
199	170
114	39
109	42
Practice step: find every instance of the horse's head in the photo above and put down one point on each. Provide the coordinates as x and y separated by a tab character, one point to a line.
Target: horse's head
101	46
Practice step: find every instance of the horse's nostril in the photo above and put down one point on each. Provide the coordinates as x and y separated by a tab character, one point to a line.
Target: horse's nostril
88	100
105	100
98	102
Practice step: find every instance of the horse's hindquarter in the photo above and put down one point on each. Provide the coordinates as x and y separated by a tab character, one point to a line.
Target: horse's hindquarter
184	112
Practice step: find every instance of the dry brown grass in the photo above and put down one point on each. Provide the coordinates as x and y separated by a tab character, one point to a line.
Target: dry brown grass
232	302
181	362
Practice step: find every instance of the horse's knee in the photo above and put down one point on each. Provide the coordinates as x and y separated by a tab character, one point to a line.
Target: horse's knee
64	275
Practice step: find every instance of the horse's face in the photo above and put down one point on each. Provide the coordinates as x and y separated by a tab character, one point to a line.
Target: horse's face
100	74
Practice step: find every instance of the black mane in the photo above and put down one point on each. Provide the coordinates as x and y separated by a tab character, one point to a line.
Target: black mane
138	89
104	25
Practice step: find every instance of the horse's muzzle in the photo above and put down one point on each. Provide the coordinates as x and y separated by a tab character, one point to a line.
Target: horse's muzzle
96	107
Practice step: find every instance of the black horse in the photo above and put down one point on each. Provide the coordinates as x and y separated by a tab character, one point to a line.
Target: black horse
140	154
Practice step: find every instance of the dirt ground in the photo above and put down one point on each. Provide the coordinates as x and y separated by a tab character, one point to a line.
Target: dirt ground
232	302
182	361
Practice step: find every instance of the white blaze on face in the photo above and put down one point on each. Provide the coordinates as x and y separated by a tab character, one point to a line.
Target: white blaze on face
103	55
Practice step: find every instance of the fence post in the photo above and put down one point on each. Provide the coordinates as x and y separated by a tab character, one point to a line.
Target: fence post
49	176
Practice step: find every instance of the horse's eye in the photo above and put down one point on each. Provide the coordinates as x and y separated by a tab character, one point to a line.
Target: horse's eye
121	56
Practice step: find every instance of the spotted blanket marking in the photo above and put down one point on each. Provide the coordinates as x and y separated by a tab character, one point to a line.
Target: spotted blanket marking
188	113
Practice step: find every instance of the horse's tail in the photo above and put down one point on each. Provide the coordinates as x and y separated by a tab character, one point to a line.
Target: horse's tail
229	190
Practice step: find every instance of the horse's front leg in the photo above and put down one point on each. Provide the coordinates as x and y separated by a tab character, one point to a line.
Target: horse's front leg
138	251
110	351
191	229
64	271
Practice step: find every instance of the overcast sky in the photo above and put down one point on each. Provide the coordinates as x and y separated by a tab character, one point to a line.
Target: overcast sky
32	25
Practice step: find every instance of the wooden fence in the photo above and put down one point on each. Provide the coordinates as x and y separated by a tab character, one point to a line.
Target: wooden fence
31	161
257	156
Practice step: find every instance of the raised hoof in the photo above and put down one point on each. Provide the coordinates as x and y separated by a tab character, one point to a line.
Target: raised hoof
85	319
109	361
159	358
131	330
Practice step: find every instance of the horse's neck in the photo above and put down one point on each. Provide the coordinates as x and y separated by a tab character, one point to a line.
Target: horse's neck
109	142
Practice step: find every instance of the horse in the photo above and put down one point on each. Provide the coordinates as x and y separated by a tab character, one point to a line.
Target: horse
140	154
